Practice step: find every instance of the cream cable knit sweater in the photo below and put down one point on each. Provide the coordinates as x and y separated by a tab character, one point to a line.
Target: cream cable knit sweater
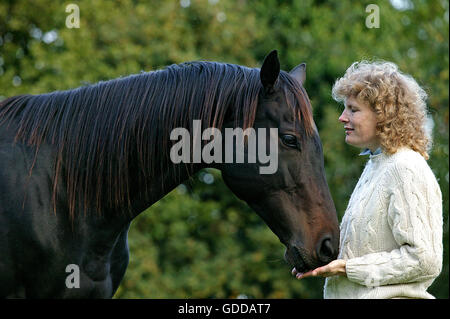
391	233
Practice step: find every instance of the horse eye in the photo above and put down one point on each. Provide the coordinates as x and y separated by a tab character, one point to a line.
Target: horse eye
289	140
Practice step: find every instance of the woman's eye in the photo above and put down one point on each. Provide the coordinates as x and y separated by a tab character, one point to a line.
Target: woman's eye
289	140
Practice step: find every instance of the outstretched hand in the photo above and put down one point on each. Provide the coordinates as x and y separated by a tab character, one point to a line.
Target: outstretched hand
334	268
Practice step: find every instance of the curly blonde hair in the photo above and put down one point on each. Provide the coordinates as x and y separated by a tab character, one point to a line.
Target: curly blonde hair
397	100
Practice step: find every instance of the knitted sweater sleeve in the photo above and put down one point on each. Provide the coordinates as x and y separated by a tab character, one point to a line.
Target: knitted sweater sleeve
415	218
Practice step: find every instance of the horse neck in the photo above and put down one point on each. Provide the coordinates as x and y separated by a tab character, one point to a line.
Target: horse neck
143	196
152	124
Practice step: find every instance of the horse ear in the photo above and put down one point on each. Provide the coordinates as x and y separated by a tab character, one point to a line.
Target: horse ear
299	73
269	71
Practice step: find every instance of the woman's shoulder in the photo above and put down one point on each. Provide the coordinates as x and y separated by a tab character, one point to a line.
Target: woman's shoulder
408	165
408	158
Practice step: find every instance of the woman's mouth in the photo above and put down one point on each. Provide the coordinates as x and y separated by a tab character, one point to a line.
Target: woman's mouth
348	130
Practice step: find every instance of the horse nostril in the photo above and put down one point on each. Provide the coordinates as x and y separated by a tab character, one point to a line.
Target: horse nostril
326	251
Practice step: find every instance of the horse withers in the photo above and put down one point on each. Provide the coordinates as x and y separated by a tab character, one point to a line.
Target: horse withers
77	166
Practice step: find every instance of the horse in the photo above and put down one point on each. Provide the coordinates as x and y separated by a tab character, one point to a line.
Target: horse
77	166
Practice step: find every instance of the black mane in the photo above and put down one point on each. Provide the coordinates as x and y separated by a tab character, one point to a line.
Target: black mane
101	131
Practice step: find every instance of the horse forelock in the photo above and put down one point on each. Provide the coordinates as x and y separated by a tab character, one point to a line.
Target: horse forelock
300	103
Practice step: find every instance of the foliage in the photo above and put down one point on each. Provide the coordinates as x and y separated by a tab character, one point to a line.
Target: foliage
200	241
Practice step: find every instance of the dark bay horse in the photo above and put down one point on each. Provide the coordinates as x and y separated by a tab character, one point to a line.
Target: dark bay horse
77	166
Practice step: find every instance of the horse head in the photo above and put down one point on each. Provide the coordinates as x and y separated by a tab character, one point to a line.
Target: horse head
293	199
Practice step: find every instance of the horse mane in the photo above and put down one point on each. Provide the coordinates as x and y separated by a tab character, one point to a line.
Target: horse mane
103	131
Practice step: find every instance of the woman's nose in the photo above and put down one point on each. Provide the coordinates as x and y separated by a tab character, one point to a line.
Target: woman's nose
343	118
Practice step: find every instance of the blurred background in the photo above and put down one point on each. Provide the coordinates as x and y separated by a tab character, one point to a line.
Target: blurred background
200	241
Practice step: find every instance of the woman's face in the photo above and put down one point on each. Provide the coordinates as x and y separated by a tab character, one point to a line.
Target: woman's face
359	124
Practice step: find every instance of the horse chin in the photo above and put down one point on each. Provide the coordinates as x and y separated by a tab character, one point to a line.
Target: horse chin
299	259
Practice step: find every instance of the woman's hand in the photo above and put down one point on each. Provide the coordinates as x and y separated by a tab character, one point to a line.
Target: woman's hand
334	268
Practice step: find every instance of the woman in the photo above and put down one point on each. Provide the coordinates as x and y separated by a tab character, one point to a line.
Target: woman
391	233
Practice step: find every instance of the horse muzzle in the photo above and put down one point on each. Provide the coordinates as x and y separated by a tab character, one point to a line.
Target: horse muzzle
303	260
299	258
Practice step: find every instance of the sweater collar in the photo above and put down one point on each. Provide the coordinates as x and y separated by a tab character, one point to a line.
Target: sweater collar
369	152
